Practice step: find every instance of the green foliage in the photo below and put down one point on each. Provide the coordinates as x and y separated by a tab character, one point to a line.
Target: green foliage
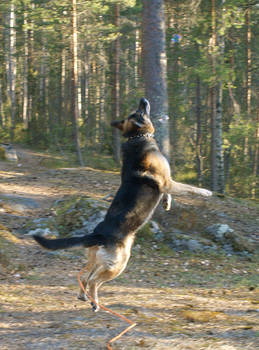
43	28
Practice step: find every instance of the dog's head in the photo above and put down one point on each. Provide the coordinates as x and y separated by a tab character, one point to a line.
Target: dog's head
137	123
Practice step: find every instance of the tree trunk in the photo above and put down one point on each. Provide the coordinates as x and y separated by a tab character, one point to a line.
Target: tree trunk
42	96
136	59
116	86
25	74
155	69
220	184
74	101
62	112
217	160
199	157
12	67
248	62
85	87
31	70
256	154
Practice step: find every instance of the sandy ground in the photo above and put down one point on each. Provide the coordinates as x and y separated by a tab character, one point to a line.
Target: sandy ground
179	301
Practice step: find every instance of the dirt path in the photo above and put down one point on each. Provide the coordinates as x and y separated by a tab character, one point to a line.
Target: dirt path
179	301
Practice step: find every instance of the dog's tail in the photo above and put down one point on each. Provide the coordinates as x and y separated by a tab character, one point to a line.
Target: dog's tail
62	243
179	188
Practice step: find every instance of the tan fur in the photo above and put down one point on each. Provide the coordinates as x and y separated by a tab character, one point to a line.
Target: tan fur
104	264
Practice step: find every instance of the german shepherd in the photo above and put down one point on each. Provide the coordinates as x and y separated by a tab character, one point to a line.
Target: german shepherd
145	179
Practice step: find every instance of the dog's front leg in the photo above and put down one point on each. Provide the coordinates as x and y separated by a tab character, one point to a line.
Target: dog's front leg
167	201
179	188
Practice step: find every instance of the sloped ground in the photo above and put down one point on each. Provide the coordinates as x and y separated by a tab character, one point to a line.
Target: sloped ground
178	300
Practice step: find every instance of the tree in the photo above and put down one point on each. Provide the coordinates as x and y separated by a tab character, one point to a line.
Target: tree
116	84
216	52
155	69
74	96
12	67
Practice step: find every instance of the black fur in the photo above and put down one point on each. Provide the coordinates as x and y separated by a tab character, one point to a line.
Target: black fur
135	200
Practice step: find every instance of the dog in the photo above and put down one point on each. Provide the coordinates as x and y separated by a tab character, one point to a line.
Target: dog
145	179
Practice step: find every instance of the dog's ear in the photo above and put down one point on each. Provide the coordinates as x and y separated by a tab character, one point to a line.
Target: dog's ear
144	106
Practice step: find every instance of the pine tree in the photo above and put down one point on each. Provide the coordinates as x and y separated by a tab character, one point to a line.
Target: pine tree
155	69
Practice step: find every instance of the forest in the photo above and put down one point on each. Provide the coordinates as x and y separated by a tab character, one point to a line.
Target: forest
67	68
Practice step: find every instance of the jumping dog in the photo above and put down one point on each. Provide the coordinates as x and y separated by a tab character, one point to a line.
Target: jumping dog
145	179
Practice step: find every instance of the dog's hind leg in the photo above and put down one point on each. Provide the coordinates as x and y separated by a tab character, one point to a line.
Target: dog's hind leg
98	277
93	284
88	270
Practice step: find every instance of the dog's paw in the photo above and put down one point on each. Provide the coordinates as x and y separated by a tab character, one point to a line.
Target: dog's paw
204	192
167	202
95	307
82	297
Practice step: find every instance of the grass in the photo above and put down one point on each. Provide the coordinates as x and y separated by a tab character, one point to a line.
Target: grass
101	161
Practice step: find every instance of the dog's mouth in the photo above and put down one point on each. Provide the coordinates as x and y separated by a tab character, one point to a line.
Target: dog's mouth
115	123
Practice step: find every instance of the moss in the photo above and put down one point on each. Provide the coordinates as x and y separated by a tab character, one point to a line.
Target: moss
240	243
145	234
73	212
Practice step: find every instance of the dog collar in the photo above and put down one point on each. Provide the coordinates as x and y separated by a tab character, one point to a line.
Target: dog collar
140	135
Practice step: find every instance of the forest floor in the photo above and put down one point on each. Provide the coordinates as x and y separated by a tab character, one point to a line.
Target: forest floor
179	300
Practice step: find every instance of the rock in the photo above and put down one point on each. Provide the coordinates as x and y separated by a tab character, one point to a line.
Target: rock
40	227
156	230
194	245
39	232
218	231
73	216
230	240
10	152
18	203
78	216
180	241
240	243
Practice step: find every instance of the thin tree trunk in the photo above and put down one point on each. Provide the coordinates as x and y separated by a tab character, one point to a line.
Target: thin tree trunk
31	79
217	159
248	62
220	185
213	97
155	69
79	89
85	87
116	86
102	103
25	73
62	112
199	157
256	154
248	72
136	59
42	97
219	112
74	101
12	68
